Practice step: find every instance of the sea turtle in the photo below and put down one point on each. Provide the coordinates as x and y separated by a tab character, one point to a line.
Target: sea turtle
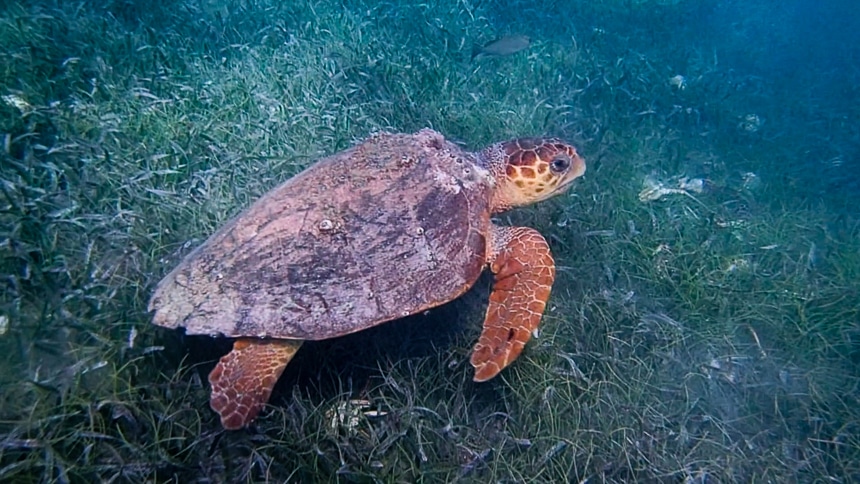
390	227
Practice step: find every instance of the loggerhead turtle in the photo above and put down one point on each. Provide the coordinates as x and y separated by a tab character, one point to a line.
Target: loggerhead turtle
391	227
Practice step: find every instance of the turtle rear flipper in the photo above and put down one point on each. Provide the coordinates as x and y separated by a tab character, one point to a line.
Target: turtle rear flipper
243	379
524	272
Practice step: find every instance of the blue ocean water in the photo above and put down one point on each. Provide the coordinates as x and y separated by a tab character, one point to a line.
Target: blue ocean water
704	323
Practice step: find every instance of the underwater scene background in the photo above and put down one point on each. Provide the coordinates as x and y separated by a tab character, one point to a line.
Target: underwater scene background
704	325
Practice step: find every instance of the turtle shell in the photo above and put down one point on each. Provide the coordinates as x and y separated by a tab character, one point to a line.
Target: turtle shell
388	228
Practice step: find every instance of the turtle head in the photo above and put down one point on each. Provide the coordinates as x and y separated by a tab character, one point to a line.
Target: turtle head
528	170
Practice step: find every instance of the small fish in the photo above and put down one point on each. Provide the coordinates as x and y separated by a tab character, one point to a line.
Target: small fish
507	45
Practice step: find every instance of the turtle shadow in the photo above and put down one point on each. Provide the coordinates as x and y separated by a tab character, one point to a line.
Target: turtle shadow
347	364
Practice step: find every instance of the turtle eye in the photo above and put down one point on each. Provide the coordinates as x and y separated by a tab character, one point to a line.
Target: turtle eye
559	164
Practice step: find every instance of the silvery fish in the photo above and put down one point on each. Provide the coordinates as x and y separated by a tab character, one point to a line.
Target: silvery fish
507	45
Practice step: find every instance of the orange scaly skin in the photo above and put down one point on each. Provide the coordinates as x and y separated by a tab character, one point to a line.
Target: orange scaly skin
523	170
527	171
243	379
524	273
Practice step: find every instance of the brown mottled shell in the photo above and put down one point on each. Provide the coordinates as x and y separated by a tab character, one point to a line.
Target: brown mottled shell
383	230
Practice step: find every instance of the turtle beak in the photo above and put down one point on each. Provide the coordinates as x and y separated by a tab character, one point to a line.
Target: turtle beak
577	169
568	181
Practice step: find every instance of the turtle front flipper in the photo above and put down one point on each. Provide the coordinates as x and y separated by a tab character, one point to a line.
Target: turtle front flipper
524	272
243	379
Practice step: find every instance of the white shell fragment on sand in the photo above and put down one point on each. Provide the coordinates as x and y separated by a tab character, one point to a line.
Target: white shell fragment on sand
17	102
654	189
750	123
679	82
695	185
751	181
348	414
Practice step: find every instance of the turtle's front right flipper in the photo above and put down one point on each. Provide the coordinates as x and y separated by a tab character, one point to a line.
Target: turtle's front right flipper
524	272
243	379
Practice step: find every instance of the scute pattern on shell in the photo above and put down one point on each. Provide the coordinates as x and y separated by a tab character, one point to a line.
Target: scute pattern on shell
388	228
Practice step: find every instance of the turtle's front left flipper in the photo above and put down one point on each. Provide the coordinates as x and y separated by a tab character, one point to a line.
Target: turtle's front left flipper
243	379
524	272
